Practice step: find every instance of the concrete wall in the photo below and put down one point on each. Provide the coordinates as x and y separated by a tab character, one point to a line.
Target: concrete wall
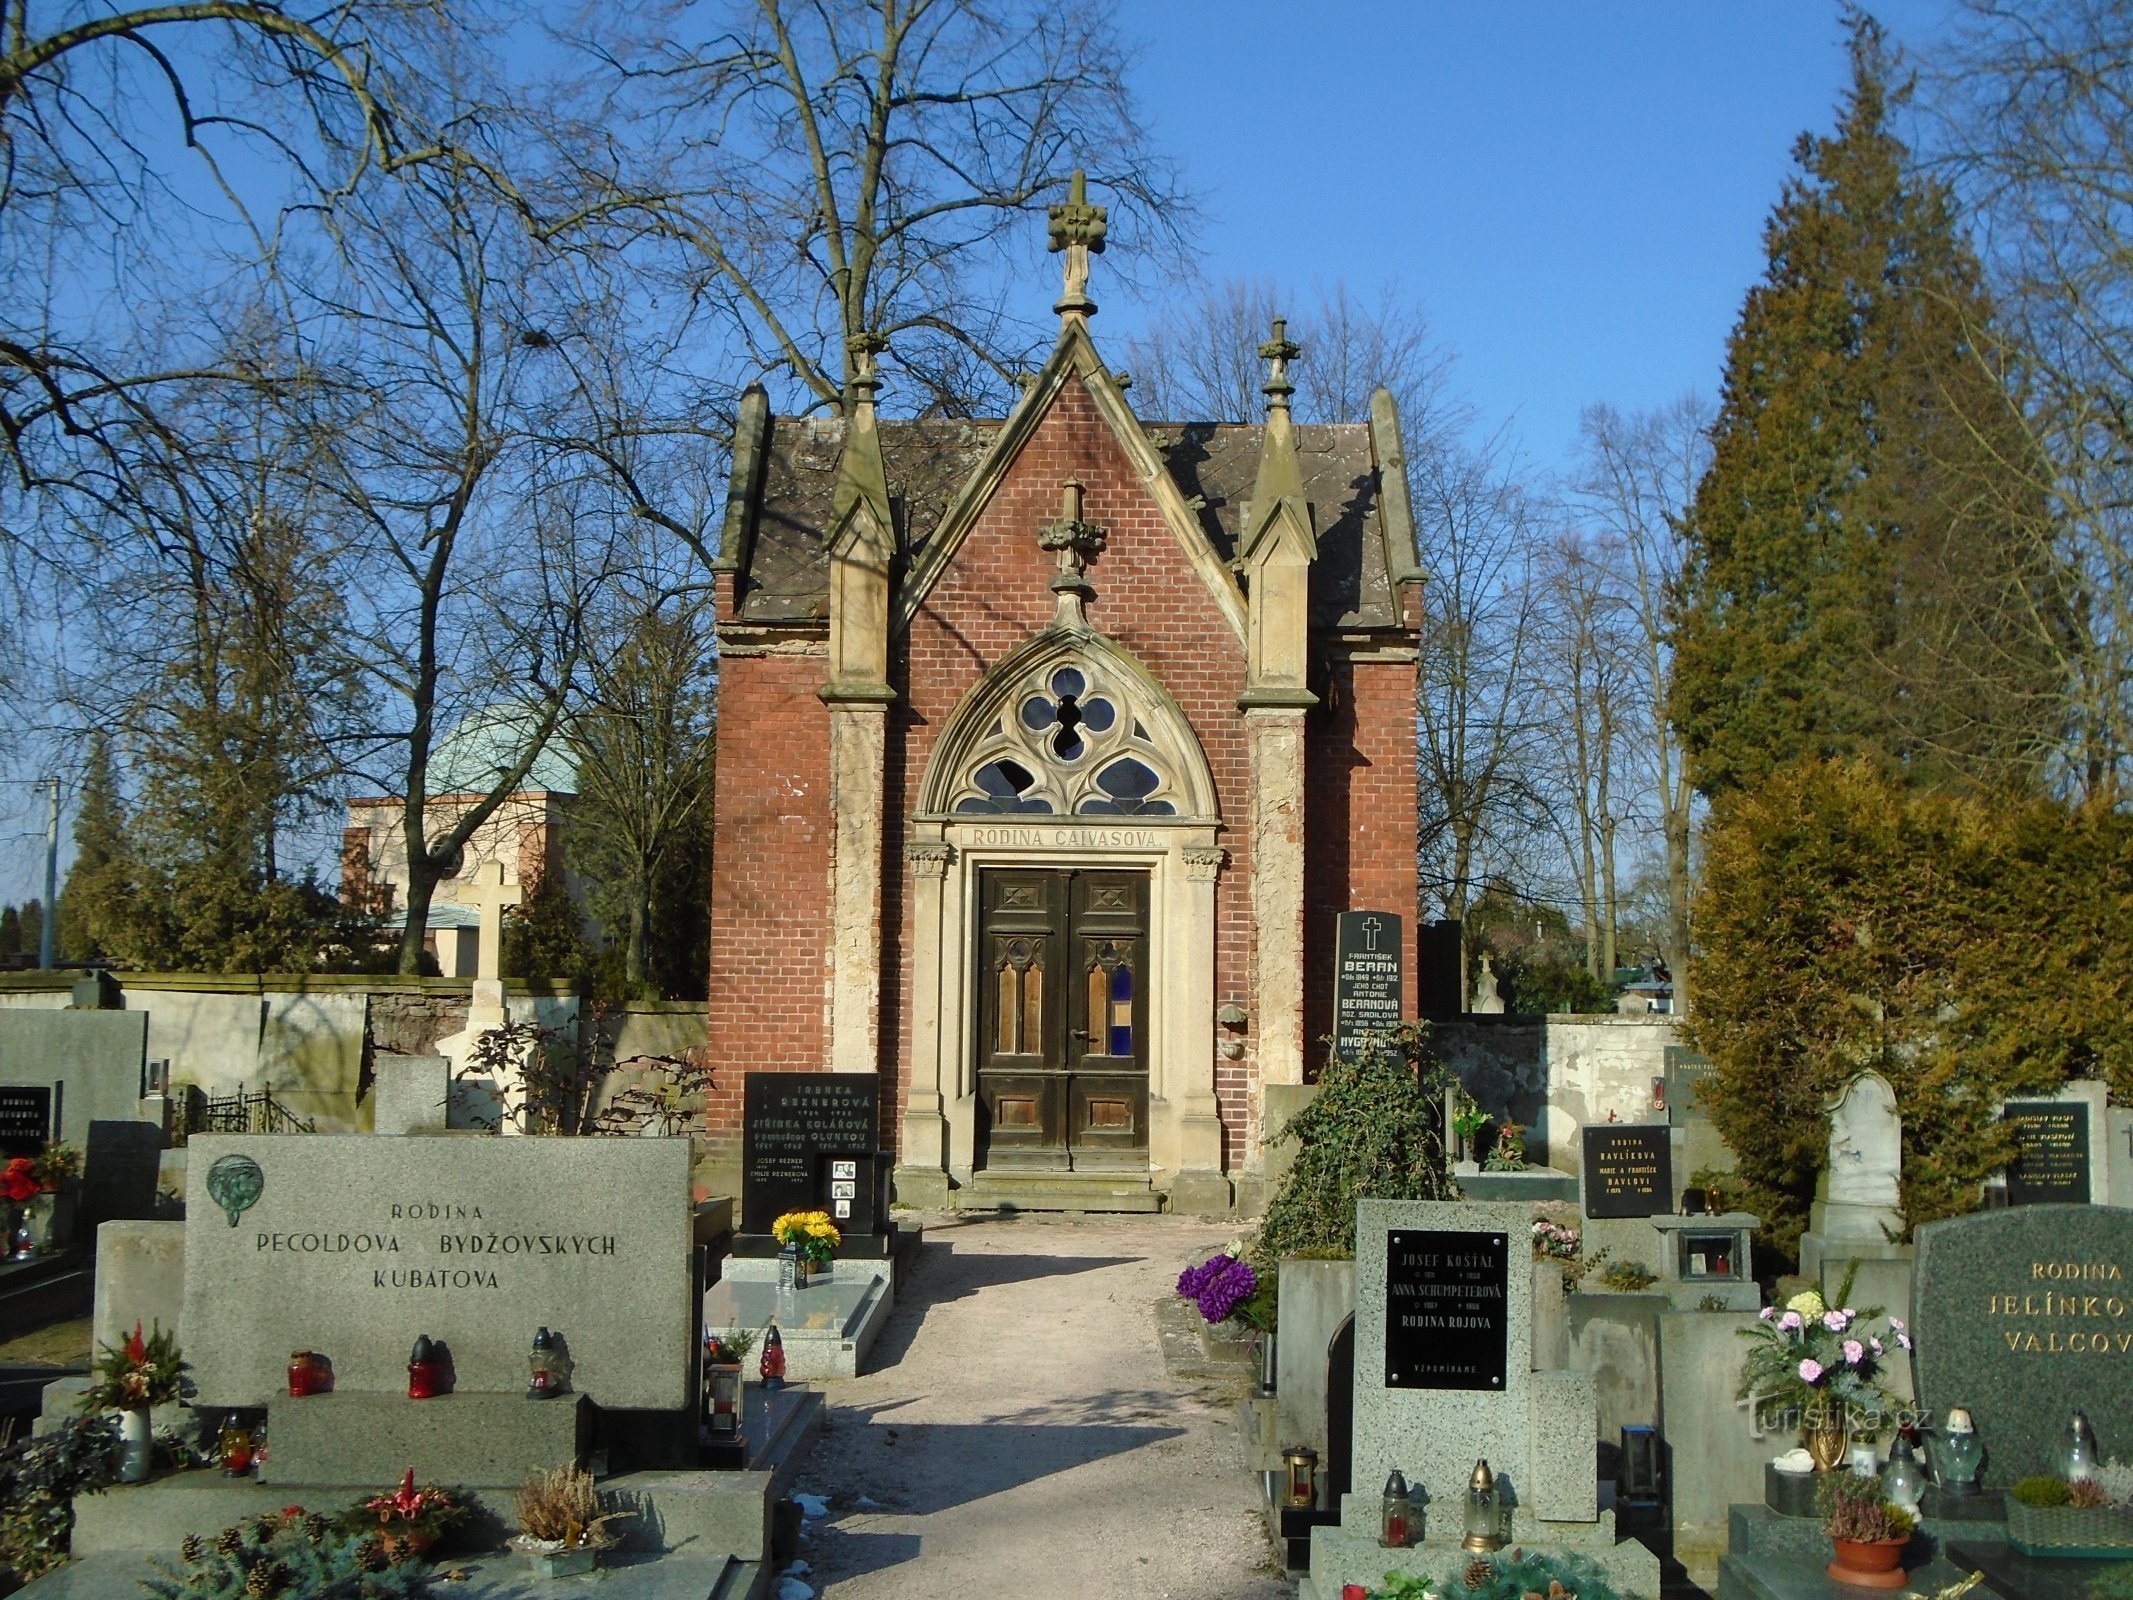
1557	1074
1713	1458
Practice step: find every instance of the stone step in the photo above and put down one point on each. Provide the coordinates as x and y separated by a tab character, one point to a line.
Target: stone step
1059	1191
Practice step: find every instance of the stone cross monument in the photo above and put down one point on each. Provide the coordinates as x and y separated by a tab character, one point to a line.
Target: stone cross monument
487	892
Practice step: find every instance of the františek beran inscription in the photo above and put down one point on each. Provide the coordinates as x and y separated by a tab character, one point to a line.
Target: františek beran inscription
2052	1163
1368	977
1447	1309
1629	1170
793	1125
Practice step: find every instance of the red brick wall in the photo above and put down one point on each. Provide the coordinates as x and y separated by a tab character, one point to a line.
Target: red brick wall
770	889
1359	823
1149	600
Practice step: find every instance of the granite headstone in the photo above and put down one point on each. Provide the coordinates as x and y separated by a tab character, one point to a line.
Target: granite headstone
351	1245
2052	1160
1684	1070
1629	1170
2023	1315
809	1143
1368	978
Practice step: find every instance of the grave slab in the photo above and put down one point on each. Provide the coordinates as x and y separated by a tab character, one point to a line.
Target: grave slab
2024	1315
827	1328
485	1441
352	1245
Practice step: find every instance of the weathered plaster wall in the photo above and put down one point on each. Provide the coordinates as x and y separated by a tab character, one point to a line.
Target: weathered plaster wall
1558	1074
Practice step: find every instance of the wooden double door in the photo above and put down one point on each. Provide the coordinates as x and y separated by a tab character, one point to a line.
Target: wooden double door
1062	961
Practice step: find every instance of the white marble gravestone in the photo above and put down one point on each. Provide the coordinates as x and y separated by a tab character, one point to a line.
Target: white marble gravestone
1857	1216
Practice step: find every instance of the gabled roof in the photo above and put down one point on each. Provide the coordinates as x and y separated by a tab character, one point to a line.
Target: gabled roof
780	519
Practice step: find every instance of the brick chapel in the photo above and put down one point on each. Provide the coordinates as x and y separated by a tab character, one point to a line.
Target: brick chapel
1049	749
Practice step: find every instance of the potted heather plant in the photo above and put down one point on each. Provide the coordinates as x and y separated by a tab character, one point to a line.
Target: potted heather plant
2048	1516
1868	1531
562	1529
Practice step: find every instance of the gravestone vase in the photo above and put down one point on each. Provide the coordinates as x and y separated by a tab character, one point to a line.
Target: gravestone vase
816	1269
1825	1438
136	1446
50	1220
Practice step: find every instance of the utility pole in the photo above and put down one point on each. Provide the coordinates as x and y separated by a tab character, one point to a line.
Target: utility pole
51	879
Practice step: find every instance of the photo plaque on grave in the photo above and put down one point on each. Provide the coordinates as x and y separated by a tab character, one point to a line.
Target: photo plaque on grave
1629	1170
808	1144
2052	1152
1368	977
25	1118
1447	1309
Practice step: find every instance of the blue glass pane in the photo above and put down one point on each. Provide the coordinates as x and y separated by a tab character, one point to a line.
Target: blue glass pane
1153	808
1067	681
1003	779
1067	745
1101	808
1098	713
1122	982
1037	713
1127	780
1121	1041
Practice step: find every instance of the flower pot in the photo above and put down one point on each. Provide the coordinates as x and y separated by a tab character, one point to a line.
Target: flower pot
814	1271
136	1446
2047	1531
1869	1566
561	1562
408	1544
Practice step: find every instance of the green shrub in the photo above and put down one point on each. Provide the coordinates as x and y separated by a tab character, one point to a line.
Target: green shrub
39	1479
1375	1131
294	1556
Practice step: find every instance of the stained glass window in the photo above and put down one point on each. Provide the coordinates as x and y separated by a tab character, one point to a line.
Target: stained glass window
1070	741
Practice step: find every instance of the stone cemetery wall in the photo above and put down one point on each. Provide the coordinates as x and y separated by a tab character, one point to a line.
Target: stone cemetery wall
352	1246
2024	1315
1560	1074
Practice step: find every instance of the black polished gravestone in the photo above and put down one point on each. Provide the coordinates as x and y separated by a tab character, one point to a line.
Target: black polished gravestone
1369	975
2051	1164
2023	1316
1629	1170
25	1118
1447	1309
810	1141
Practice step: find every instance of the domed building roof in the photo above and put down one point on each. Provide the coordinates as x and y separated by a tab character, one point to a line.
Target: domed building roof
487	743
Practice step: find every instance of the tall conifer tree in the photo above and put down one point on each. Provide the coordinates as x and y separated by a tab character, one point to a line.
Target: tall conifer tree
1863	576
96	901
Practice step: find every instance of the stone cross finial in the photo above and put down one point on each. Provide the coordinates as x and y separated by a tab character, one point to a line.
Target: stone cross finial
866	376
1078	229
1075	540
489	894
1278	352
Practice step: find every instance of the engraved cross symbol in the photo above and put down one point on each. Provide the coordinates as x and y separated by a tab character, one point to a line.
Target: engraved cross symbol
1371	928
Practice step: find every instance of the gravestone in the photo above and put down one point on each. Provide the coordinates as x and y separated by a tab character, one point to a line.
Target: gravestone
2024	1315
352	1245
1684	1070
811	1142
1444	1345
1369	978
26	1117
121	1163
94	1063
1629	1170
1437	970
1488	1001
2052	1163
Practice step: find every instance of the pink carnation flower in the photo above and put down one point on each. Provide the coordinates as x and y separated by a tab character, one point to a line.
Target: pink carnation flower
1810	1371
1854	1352
1767	1312
1834	1321
1790	1321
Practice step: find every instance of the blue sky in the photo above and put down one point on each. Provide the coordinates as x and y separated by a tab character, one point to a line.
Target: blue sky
1575	193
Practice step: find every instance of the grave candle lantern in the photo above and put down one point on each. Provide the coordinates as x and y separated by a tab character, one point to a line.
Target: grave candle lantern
548	1367
2081	1458
1484	1515
1902	1482
1300	1463
234	1445
1392	1513
725	1385
303	1374
1957	1453
772	1367
425	1372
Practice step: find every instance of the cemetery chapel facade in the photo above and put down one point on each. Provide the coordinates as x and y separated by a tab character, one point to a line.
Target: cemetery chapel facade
1049	750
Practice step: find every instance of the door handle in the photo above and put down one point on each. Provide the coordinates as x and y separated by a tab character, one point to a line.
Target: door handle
1082	1033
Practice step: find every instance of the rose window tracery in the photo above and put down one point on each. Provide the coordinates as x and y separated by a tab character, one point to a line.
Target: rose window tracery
1069	744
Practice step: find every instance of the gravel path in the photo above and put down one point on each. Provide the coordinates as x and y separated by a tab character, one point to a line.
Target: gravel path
1019	1434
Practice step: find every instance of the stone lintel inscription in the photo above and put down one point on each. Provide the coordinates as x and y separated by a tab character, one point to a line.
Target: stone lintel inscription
2052	1141
1369	969
1447	1309
1629	1170
1076	837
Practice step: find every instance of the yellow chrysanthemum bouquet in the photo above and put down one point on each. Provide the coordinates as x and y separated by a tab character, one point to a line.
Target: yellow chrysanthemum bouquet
812	1231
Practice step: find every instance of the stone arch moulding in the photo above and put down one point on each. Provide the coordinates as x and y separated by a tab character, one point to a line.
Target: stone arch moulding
1071	727
1049	823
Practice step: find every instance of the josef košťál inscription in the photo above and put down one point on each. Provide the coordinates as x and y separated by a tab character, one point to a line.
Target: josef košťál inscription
2052	1152
1447	1309
1368	977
